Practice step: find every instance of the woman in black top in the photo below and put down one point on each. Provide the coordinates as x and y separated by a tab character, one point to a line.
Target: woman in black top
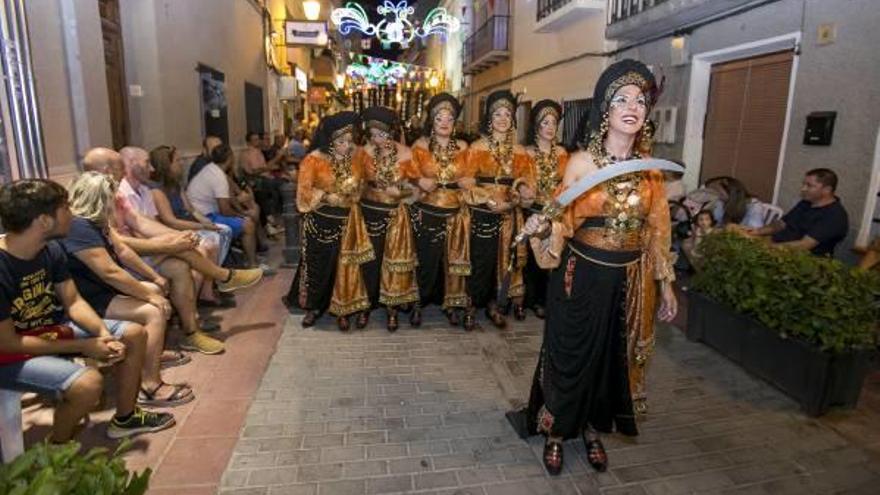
96	257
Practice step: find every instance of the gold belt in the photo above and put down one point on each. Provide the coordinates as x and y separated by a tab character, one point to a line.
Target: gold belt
610	240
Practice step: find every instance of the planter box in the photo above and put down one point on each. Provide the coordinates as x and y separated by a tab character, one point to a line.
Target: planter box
817	380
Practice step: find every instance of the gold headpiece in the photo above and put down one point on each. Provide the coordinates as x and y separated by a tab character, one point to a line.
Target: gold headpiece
548	110
501	103
348	129
378	124
443	105
630	78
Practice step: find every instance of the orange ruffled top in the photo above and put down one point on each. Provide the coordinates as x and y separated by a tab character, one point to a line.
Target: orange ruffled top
316	180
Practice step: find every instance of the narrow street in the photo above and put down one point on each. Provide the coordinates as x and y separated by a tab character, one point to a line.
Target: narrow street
422	411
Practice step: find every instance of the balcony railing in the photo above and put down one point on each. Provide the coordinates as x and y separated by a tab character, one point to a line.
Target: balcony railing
547	7
488	45
619	10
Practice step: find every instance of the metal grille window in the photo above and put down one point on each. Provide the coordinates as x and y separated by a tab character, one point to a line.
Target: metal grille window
574	113
547	7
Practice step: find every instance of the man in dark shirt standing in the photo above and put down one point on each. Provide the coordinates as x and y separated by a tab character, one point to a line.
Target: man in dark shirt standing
817	223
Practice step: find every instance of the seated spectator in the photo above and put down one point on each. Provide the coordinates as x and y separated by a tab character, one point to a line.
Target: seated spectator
95	258
43	318
729	202
704	224
173	206
210	194
817	223
208	144
134	190
256	171
172	253
296	147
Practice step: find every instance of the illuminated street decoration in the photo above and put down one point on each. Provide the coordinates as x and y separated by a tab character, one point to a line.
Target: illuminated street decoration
395	27
374	71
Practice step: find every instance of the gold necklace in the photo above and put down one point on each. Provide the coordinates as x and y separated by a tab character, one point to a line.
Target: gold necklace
444	156
386	167
547	165
623	207
343	178
502	152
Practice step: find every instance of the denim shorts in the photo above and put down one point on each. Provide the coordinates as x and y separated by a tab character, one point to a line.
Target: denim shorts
51	375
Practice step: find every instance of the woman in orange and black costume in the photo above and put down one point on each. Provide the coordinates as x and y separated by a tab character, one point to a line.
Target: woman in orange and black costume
442	220
504	184
333	235
549	159
391	276
609	251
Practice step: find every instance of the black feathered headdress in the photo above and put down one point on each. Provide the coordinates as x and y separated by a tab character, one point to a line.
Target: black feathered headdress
382	118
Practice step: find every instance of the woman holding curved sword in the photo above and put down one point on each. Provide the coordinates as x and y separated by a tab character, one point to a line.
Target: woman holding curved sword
607	249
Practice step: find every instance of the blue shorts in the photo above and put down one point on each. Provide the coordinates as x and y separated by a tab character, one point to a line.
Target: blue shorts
51	375
234	223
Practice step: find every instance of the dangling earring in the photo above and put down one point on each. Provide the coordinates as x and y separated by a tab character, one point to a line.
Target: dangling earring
597	142
646	138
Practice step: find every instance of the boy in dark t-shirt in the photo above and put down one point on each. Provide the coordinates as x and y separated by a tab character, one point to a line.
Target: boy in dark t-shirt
43	316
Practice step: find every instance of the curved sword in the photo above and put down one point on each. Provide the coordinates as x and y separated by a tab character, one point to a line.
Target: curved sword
604	174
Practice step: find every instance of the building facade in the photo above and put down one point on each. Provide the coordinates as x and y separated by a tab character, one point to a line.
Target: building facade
743	77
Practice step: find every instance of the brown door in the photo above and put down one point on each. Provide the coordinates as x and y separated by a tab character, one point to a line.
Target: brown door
743	134
111	30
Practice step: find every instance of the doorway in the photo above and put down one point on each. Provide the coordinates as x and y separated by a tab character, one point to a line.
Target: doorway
114	61
748	103
253	107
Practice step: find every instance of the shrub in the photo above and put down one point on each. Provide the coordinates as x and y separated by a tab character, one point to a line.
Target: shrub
48	469
818	300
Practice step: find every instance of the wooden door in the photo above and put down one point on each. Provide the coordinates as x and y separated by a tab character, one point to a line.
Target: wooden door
748	101
114	61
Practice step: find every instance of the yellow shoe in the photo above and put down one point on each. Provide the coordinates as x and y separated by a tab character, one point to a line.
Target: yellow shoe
240	279
199	342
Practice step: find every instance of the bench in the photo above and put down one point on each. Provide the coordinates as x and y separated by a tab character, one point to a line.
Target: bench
11	440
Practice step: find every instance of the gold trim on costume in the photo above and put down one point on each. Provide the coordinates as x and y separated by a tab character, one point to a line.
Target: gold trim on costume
599	237
598	262
547	111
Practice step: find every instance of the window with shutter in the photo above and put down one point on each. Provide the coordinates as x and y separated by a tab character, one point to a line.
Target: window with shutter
745	119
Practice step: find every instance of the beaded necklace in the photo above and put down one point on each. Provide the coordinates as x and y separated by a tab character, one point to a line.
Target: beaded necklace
342	176
444	156
623	207
386	166
547	165
502	152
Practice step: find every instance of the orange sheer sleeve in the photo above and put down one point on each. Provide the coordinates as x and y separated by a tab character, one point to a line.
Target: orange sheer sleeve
659	235
308	195
410	169
524	169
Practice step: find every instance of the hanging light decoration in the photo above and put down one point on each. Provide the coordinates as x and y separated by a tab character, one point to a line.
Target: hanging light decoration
395	27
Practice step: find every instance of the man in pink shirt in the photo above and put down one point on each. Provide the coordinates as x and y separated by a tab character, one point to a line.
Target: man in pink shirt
173	253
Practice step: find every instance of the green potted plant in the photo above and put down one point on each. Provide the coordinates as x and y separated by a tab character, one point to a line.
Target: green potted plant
48	469
803	323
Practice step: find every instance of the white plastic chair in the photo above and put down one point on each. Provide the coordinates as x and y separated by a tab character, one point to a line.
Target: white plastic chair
11	440
772	213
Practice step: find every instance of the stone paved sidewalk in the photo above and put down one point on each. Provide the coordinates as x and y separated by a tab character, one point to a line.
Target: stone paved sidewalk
422	411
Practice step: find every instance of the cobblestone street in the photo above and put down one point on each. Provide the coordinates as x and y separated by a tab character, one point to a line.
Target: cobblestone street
422	411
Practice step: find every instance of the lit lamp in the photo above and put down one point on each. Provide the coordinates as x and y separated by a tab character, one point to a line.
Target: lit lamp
312	9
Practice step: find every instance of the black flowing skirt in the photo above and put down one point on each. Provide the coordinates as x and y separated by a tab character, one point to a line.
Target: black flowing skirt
321	235
582	379
429	222
377	216
535	277
485	231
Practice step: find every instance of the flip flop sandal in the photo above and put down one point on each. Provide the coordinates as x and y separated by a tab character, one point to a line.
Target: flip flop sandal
178	396
179	359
